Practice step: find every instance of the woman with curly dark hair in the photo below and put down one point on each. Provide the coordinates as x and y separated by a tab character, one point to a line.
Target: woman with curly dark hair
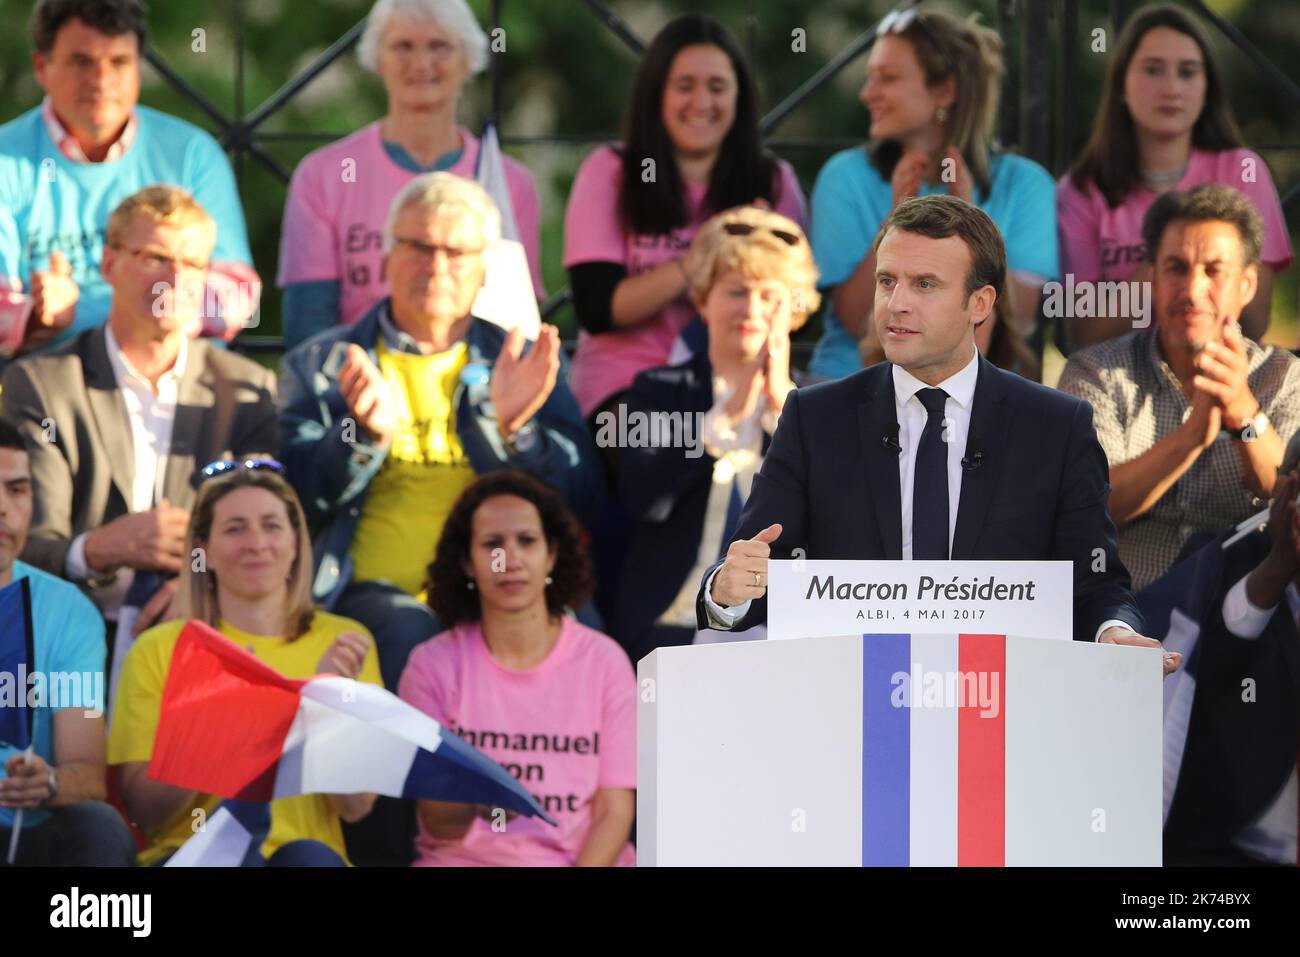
551	699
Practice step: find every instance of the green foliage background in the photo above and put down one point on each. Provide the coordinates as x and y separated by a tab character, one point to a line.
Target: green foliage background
566	76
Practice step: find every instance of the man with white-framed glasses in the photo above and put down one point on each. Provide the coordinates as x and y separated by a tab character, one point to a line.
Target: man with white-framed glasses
138	407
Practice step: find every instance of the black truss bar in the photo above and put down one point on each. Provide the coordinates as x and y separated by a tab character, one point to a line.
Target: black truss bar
555	302
282	96
614	23
1292	197
1066	87
1119	11
185	89
776	142
240	156
860	45
1010	76
1283	82
269	161
811	85
1035	101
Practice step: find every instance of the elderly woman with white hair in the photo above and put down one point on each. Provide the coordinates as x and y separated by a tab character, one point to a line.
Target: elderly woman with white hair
384	422
331	245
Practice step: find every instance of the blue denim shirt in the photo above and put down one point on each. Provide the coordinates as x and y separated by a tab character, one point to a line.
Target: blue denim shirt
333	475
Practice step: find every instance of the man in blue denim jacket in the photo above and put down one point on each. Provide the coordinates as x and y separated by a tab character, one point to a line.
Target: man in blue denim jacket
383	423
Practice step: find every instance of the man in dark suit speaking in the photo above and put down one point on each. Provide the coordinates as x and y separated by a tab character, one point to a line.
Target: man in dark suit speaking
936	453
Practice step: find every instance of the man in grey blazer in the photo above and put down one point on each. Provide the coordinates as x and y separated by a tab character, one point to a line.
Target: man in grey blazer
119	420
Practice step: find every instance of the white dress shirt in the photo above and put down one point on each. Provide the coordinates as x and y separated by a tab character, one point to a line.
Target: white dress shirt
1272	836
149	418
912	418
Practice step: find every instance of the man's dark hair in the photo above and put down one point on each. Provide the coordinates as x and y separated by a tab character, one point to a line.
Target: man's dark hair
11	438
939	217
110	17
1206	203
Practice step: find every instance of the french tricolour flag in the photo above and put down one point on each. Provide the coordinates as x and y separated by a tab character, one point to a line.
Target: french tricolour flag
945	697
972	751
235	727
900	750
17	657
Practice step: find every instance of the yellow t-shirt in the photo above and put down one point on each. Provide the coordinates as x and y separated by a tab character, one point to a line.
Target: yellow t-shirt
139	702
424	473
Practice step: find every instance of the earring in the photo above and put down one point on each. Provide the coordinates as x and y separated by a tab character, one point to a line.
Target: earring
941	115
470	584
550	580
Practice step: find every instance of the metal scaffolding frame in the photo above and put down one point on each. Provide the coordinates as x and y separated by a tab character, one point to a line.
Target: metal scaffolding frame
1034	95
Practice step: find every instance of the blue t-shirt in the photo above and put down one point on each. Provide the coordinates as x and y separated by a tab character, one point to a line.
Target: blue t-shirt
851	199
70	652
49	202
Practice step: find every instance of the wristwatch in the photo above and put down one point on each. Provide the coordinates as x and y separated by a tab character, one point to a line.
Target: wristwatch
523	439
1253	429
54	786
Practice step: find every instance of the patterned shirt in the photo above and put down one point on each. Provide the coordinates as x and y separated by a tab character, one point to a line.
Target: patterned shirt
1137	400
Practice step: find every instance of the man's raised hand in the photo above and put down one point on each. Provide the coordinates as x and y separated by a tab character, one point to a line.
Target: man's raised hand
743	575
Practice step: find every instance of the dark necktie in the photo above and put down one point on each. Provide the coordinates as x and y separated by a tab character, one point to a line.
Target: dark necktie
930	483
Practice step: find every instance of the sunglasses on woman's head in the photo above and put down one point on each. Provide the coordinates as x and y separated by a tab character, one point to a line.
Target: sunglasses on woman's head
222	466
744	229
897	21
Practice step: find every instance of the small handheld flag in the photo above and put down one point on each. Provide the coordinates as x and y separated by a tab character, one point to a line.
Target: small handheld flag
17	657
235	727
507	298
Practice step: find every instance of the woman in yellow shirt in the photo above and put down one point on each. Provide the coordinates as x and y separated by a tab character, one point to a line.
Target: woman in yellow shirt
249	577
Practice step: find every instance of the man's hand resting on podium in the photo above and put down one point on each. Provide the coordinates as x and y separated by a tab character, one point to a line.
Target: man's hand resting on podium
1124	636
743	575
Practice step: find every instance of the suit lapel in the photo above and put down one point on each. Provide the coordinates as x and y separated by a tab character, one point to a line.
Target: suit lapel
989	427
876	417
191	429
109	411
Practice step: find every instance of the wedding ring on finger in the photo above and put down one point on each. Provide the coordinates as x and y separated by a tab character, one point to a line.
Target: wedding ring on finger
758	583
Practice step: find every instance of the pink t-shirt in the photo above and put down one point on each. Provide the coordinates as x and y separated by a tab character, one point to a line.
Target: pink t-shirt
1100	244
607	363
338	203
565	728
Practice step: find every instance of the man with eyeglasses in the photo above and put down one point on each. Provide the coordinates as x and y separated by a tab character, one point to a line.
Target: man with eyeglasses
385	422
65	164
118	420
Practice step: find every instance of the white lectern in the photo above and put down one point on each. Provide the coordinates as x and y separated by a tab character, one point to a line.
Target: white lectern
900	750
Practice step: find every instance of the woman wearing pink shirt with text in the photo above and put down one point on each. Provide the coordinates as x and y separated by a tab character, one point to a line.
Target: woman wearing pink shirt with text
551	699
331	251
1164	122
692	149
